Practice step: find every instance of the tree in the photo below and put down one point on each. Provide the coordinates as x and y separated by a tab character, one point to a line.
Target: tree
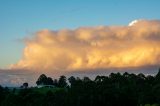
142	76
25	85
99	79
113	90
150	79
49	81
55	82
62	82
72	80
44	80
86	79
2	96
158	75
126	74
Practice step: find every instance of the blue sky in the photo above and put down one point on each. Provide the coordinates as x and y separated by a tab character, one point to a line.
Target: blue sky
22	18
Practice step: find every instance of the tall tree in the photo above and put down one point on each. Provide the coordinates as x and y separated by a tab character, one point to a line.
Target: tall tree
158	75
62	82
44	80
72	80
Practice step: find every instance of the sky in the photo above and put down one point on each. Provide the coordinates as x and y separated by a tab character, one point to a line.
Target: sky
69	35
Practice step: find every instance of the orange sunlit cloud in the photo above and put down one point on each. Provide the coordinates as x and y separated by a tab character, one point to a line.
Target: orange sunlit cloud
137	44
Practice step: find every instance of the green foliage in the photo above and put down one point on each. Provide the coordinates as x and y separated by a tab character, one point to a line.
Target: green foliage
114	90
44	90
62	82
44	80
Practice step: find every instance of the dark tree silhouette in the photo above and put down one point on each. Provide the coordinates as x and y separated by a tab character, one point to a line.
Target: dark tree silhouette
62	82
44	80
158	75
25	85
55	82
72	80
50	81
114	90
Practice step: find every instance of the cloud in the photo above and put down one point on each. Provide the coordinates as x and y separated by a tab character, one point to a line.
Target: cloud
132	23
87	48
11	77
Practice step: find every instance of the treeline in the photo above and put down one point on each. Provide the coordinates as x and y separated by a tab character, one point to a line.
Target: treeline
114	90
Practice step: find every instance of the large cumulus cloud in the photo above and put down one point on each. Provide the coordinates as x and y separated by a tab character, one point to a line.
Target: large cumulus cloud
85	48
